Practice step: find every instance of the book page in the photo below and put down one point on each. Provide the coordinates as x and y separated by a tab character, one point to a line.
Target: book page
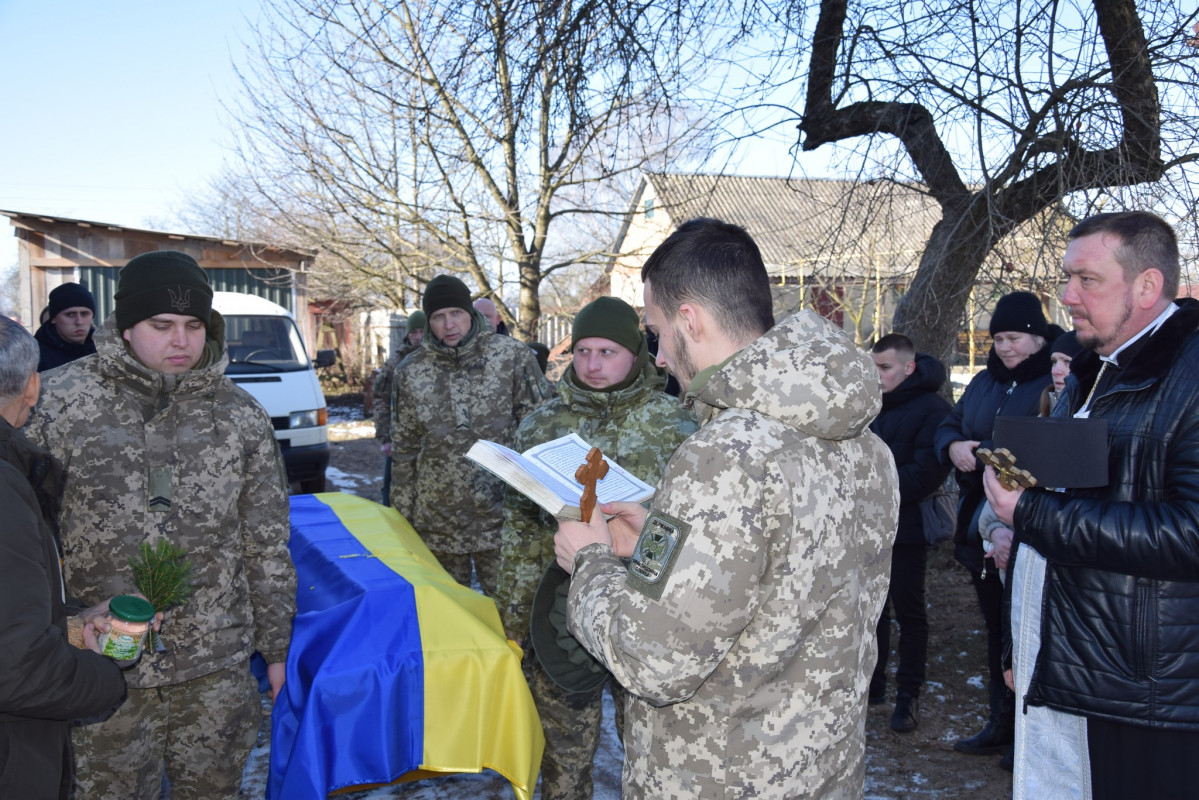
568	491
565	455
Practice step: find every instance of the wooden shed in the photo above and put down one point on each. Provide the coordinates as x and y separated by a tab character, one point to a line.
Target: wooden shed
57	250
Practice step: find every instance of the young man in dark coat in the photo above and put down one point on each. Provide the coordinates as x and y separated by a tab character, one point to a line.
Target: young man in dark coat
67	332
912	410
44	681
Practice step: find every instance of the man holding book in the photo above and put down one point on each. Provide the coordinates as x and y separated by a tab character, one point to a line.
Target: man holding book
743	626
611	396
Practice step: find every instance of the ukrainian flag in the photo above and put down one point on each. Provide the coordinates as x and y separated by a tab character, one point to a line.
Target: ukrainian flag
395	671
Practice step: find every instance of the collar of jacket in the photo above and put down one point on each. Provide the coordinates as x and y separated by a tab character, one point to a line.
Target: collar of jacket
48	335
927	379
468	349
594	403
122	367
1154	359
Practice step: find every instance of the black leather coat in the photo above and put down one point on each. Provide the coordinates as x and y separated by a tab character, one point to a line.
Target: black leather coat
1120	618
44	681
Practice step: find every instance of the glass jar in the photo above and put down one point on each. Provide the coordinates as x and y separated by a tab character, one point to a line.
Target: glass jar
130	618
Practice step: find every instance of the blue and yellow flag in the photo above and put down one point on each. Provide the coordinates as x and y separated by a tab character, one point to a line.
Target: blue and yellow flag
395	672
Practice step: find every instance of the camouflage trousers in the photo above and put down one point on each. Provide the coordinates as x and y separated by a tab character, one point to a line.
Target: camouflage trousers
572	722
201	730
487	567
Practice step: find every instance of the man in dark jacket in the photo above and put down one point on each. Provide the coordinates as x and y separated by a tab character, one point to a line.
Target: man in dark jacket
44	681
912	410
1120	607
67	332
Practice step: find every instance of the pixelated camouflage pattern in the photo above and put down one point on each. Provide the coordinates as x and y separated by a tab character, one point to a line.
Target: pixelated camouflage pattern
119	427
639	427
443	400
203	730
750	672
381	388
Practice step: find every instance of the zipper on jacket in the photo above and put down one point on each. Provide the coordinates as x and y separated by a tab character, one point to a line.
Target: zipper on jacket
1141	623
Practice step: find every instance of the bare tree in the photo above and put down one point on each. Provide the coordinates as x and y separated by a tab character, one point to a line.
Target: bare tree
1002	111
415	137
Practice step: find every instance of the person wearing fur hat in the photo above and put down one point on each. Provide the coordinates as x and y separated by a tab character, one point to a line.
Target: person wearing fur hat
612	396
463	383
414	331
158	445
67	332
1016	374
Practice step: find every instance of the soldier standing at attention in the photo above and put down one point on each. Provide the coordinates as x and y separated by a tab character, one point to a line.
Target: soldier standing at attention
465	383
743	626
158	444
611	395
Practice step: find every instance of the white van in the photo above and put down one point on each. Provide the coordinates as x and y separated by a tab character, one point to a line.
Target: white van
268	359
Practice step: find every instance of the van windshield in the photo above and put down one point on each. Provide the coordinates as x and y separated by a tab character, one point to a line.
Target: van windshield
258	343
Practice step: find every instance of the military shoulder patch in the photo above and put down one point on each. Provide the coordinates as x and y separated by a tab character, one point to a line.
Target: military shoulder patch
656	552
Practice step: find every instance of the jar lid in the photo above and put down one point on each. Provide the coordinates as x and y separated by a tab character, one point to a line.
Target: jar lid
131	609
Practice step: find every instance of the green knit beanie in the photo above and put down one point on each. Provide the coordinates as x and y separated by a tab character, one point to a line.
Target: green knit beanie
162	282
416	322
608	318
446	291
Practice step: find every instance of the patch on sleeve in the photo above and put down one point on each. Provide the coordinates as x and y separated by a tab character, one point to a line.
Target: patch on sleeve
656	552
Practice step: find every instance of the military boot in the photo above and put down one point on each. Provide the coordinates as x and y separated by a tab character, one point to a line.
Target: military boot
906	716
1000	730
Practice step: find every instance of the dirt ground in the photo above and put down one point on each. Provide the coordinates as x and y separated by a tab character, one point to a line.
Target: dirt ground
918	764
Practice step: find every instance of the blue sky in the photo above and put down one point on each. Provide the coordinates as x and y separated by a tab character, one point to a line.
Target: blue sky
112	109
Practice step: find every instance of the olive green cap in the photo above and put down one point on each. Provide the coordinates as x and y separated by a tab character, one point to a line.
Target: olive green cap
564	659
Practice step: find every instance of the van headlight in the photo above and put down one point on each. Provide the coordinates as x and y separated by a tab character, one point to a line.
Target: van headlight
307	419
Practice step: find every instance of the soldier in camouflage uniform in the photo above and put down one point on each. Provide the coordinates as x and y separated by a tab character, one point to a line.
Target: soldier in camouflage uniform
743	626
158	444
612	397
465	383
414	331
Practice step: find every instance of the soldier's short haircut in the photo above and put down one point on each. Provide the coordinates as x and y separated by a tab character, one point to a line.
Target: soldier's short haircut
1147	242
716	265
901	344
19	355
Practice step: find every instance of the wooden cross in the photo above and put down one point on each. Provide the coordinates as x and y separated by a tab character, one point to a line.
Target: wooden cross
1009	475
593	470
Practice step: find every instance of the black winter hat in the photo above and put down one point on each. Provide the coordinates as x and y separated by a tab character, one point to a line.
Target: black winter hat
162	282
1068	344
1020	312
446	291
70	295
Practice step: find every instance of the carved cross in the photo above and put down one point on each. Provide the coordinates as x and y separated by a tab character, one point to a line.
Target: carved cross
593	470
1010	476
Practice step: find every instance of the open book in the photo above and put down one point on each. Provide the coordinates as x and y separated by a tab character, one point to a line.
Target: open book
546	474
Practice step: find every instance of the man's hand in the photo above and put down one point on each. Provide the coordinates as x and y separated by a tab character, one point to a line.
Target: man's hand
961	454
1001	538
1003	501
624	524
276	673
573	536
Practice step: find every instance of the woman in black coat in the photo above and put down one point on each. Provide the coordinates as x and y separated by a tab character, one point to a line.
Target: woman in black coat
1017	373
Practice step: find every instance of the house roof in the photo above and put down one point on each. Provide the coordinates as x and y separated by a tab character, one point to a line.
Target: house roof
38	221
815	225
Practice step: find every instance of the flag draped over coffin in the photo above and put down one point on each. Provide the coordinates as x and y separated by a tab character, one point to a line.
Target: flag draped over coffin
395	671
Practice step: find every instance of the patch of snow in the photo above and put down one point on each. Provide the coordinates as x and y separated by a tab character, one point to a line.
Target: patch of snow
976	681
344	481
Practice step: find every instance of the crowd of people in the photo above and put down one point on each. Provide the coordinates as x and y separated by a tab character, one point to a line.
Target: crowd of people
741	619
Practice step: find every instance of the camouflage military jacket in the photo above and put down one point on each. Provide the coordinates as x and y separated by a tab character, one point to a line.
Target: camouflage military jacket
443	400
744	624
639	427
189	458
382	391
